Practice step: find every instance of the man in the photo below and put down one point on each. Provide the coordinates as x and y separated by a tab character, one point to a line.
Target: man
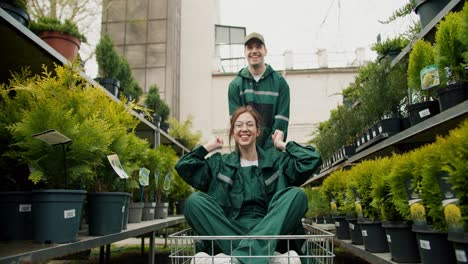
263	88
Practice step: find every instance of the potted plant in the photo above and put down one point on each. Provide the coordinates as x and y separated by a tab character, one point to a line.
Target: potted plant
420	105
318	205
389	48
449	50
452	149
334	188
61	103
401	240
17	9
428	9
154	102
64	37
179	192
109	65
165	167
432	238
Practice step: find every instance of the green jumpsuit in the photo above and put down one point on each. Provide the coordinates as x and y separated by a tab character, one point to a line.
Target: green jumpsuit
252	200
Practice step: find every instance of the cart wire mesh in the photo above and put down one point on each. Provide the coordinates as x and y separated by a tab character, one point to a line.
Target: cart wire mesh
317	248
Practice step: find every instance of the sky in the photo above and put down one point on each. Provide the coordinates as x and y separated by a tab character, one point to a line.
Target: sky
304	26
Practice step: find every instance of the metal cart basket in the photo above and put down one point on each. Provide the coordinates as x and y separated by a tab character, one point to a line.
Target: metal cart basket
317	248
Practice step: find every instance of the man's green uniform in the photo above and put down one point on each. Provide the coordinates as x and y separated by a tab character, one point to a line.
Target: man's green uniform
269	96
251	200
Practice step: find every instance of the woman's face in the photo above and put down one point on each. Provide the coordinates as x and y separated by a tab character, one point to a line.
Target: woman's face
245	130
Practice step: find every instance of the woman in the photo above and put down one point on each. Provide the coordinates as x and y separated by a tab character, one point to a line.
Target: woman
249	191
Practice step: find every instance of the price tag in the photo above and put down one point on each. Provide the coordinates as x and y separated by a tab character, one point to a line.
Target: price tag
351	226
424	113
461	256
425	244
69	213
389	239
24	208
337	223
364	233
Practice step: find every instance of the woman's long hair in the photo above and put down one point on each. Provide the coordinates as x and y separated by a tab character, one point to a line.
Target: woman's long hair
244	109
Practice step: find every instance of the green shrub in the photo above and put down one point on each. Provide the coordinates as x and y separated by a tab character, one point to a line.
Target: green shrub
318	204
395	44
464	33
334	188
182	132
54	24
381	193
154	102
107	58
449	48
421	55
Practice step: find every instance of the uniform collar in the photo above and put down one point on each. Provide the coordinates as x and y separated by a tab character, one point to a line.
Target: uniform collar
265	158
244	72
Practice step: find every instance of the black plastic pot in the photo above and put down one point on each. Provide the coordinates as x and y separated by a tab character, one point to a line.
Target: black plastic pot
57	215
373	235
421	111
391	126
16	216
17	13
125	216
355	231
161	210
428	9
433	246
460	245
111	85
106	212
341	227
451	95
402	242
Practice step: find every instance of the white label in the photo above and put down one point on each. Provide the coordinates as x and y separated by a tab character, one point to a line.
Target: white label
337	223
461	255
363	140
368	137
358	143
351	226
24	208
374	133
364	233
425	244
424	113
151	211
69	213
389	239
153	204
123	209
380	129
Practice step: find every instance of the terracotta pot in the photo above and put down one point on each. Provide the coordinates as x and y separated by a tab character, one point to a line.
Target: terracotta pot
65	44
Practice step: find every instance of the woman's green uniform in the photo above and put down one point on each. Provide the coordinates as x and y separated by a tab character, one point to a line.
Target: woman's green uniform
254	200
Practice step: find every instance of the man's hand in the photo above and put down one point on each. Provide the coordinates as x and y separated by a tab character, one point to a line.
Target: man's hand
277	138
214	144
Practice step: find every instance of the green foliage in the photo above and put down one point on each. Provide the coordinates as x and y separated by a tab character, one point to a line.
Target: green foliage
449	47
63	102
395	44
381	192
334	187
107	58
154	102
464	32
421	55
401	12
54	24
454	151
318	204
431	195
128	84
166	165
180	189
182	132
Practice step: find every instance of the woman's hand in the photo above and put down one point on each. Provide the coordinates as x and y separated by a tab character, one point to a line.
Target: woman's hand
278	138
214	144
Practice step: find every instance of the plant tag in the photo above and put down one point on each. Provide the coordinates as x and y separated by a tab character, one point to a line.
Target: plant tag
351	226
364	233
337	223
69	213
117	166
151	211
425	244
380	129
424	113
24	208
461	255
368	137
123	209
153	204
389	239
374	134
429	77
144	176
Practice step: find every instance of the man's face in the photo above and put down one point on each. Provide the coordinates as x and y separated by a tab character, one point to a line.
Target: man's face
255	53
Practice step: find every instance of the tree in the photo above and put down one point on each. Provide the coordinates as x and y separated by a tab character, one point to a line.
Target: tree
154	102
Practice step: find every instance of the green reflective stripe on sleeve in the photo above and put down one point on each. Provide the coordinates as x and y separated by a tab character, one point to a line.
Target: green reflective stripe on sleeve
282	117
224	178
272	178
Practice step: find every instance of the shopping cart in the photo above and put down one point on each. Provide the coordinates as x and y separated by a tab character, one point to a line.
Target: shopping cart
317	247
